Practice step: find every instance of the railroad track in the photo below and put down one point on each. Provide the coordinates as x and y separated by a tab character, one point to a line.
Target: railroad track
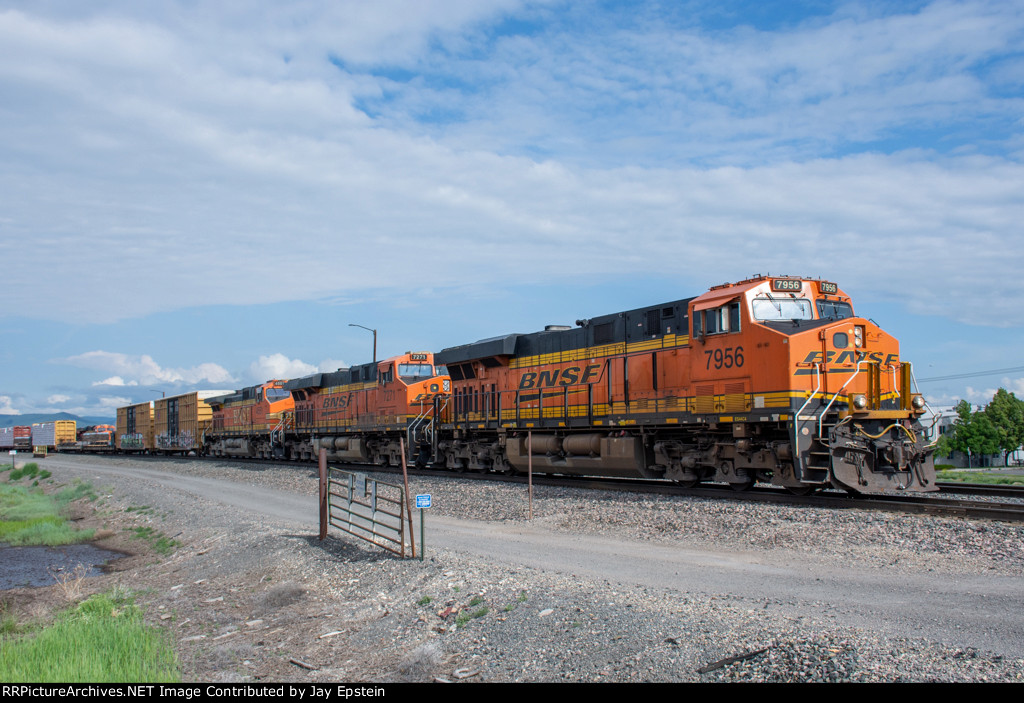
914	504
981	489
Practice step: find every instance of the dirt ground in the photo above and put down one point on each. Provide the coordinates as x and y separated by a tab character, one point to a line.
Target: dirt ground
247	592
248	601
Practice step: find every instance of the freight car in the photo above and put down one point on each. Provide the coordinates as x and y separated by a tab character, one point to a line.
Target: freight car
135	428
94	439
54	434
772	379
181	421
19	437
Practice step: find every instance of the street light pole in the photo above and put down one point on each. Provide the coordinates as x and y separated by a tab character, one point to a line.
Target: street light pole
374	339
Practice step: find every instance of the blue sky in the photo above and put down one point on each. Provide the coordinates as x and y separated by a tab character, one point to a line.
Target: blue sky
206	195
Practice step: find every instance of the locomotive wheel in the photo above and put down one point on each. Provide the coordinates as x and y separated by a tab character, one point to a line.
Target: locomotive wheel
742	486
687	484
802	490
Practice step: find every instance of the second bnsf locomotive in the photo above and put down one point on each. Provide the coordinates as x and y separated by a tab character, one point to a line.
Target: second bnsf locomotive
772	379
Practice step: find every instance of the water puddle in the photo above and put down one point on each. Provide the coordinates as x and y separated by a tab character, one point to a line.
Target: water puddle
22	567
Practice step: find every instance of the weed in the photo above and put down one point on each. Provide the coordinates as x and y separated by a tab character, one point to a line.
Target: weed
465	616
522	597
71	582
425	600
8	623
161	543
30	470
477	600
509	608
78	489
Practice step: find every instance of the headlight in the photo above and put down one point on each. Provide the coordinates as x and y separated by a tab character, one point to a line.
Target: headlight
918	402
860	401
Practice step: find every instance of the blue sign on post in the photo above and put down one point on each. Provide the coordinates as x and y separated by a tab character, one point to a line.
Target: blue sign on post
423	501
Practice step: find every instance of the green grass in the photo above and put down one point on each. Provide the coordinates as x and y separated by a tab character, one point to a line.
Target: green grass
103	639
980	477
78	489
30	517
161	542
465	616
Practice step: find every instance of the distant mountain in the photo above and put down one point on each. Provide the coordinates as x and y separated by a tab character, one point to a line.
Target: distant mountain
16	420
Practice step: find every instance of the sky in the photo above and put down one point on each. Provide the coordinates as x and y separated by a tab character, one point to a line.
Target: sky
207	195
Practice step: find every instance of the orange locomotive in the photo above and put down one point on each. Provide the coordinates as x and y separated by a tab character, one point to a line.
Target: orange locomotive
361	413
772	379
250	422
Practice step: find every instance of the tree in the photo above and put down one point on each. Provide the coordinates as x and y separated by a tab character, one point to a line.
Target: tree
1006	413
974	433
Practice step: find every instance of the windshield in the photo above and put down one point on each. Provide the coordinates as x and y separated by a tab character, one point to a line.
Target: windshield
413	372
781	309
834	310
276	394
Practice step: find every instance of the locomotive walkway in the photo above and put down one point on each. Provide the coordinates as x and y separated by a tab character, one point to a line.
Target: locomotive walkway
980	611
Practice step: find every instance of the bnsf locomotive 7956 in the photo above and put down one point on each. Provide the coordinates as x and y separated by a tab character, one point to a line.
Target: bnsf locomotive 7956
770	379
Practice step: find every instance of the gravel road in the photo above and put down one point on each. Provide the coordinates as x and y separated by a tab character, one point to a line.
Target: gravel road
600	586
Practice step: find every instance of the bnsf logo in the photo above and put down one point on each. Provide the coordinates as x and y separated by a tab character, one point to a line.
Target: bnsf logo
560	377
336	401
850	357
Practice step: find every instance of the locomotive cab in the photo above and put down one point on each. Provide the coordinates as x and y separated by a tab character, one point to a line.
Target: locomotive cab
407	386
836	380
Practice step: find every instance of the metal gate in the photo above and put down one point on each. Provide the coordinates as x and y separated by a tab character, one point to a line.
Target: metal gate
369	509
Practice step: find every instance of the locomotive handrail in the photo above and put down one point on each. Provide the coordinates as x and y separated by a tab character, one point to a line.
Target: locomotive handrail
821	418
817	372
410	430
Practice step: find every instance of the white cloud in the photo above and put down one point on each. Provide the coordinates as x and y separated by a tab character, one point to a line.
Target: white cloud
278	366
329	365
208	156
115	381
6	407
984	396
57	399
143	370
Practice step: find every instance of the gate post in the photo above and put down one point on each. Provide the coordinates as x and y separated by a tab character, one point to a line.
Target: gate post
323	492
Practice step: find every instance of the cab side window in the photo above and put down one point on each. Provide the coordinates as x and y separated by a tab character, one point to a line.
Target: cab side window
718	320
